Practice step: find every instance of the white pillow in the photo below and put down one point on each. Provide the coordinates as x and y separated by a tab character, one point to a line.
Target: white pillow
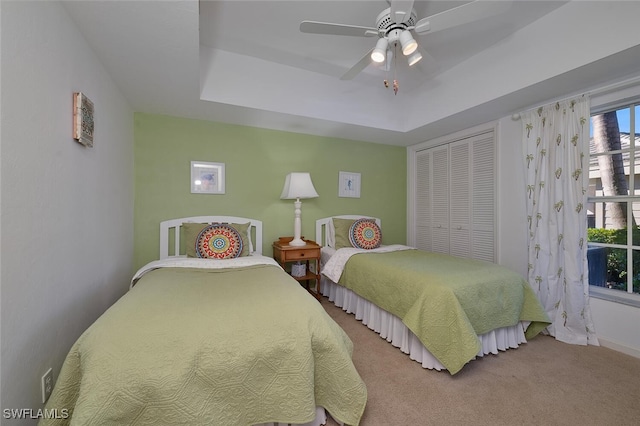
331	234
250	240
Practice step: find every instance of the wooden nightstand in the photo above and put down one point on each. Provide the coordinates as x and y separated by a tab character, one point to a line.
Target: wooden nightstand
283	253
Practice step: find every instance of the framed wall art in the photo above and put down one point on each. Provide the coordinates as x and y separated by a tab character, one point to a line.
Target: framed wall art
349	185
83	120
207	178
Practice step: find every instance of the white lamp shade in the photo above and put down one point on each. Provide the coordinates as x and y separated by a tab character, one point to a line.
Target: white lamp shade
409	45
380	52
414	58
298	185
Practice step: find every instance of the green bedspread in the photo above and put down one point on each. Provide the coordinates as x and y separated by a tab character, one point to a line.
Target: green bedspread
210	347
445	301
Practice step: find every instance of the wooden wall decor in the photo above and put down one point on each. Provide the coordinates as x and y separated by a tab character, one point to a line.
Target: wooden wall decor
83	124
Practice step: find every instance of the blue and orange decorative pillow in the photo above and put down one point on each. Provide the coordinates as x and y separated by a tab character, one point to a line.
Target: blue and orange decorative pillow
219	241
191	233
365	234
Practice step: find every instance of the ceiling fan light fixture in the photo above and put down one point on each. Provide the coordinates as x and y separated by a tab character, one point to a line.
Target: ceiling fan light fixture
409	45
380	52
414	58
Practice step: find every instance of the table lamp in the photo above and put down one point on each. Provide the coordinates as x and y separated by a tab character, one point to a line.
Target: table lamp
297	186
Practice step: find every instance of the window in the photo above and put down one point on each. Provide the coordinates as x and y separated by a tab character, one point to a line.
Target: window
613	209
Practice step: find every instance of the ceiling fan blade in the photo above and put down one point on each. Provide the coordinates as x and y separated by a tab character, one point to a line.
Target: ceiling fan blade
314	27
461	15
358	67
401	10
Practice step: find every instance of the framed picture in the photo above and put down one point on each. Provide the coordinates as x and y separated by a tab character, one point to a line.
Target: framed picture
83	119
349	185
207	178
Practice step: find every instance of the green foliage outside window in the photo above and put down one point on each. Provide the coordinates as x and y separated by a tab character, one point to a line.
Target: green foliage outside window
617	259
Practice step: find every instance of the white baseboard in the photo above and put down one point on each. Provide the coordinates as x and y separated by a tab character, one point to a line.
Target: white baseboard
619	348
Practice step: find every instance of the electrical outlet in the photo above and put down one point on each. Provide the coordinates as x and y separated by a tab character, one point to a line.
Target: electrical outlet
47	385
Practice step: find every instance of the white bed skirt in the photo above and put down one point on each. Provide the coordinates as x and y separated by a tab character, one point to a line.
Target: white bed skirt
321	419
393	330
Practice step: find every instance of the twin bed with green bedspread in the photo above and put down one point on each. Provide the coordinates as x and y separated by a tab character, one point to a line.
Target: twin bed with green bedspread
450	305
210	342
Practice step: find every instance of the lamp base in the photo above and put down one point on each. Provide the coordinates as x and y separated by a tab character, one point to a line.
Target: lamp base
297	242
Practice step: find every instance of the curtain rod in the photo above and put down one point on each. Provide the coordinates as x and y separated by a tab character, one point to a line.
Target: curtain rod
516	116
615	86
598	91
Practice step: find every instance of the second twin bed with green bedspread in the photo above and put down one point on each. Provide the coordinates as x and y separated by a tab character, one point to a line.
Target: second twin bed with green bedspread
442	310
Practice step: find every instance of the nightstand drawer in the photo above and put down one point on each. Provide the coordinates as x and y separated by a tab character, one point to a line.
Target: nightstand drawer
301	254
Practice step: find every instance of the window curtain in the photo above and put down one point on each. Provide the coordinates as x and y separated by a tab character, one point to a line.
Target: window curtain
556	150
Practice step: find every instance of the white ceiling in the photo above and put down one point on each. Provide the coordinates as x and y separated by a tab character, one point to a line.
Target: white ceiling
246	62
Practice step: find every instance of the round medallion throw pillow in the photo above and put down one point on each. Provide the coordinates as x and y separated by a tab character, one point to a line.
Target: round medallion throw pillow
365	234
218	241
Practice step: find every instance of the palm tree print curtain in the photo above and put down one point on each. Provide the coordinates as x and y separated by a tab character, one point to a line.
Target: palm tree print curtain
556	150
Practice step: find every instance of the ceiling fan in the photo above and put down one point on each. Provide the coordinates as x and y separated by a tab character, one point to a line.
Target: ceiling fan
395	27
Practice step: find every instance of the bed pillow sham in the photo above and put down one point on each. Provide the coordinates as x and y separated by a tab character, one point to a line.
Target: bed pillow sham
192	231
341	232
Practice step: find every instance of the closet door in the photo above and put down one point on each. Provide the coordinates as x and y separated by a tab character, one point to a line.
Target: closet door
423	228
483	199
460	193
454	199
432	200
440	199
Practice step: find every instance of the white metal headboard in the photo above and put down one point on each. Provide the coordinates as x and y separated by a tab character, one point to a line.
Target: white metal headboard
172	227
322	226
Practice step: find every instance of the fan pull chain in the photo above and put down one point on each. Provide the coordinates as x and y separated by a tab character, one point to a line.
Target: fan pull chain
387	66
396	86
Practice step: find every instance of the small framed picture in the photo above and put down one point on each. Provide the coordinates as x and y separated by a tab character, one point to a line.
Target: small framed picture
349	185
83	119
207	178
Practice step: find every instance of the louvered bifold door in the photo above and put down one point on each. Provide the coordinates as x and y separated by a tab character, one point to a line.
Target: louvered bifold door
455	198
460	208
440	199
483	202
423	200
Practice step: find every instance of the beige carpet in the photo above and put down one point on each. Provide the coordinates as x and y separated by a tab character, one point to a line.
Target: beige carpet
543	382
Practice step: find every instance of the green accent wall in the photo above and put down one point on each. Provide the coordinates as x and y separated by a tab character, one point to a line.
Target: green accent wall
256	163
